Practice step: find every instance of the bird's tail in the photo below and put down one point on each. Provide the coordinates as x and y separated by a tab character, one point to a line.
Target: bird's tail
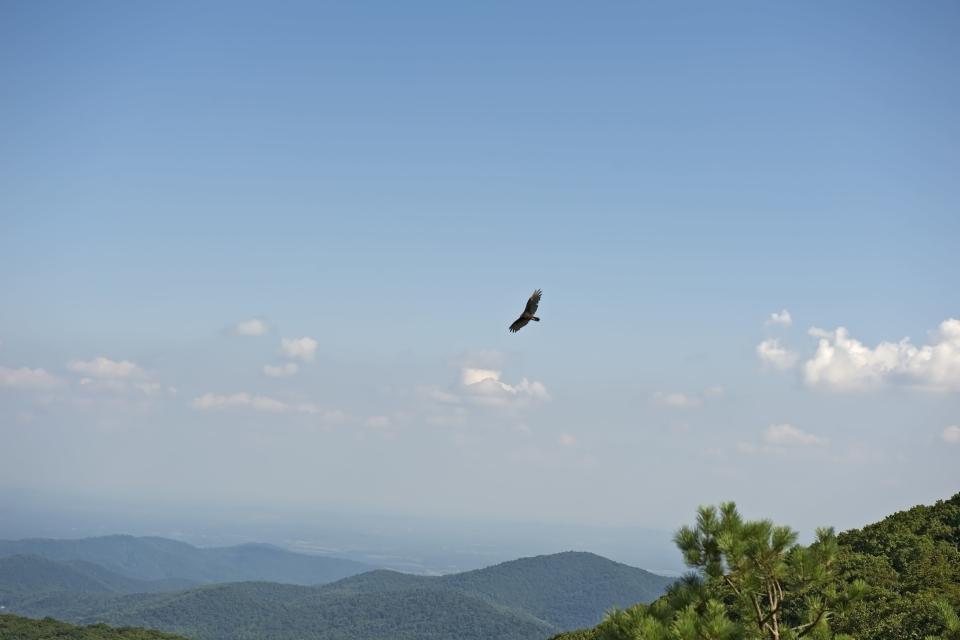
535	318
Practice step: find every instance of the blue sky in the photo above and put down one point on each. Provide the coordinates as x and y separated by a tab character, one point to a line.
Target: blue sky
392	180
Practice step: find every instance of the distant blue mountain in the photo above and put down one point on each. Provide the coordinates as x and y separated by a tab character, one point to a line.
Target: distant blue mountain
160	559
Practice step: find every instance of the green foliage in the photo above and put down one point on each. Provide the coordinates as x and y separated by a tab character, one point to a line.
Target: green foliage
17	628
252	611
751	580
911	560
951	623
760	582
898	579
581	634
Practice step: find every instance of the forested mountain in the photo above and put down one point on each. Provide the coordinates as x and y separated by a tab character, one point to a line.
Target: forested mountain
17	628
523	599
569	589
906	568
148	558
34	574
911	560
31	574
286	612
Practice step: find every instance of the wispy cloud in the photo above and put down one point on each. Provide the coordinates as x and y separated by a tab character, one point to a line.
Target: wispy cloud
27	378
281	370
778	438
676	399
215	402
485	386
680	400
787	435
299	348
105	369
104	375
478	388
252	327
773	354
781	318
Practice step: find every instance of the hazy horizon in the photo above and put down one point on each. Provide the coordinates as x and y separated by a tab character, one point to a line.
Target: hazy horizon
260	263
401	541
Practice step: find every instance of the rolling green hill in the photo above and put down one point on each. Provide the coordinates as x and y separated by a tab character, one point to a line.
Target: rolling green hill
523	599
569	590
17	628
154	559
249	611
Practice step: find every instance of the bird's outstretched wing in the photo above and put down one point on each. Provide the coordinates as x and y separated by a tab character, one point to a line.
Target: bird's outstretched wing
528	312
533	303
519	323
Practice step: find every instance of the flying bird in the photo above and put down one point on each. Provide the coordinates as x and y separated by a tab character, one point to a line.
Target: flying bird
528	312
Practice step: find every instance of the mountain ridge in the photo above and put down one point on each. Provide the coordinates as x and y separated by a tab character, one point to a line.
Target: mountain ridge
507	600
31	573
152	558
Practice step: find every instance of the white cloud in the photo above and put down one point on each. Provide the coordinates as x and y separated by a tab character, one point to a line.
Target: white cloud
485	387
478	388
676	399
772	353
103	384
105	368
114	385
254	327
474	376
299	348
213	402
281	371
951	434
778	438
27	378
787	435
566	440
844	363
781	318
679	400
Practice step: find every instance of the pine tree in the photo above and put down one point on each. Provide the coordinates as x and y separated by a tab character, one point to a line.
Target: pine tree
751	580
951	622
